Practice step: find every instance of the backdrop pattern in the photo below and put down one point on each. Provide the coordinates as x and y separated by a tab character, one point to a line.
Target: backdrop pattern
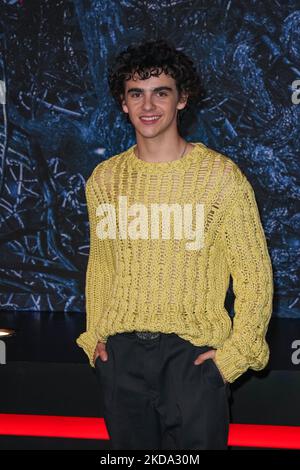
58	121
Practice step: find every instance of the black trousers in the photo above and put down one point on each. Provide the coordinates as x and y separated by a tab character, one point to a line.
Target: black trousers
155	397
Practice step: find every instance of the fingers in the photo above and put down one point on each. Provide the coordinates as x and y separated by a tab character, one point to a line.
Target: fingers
208	355
101	352
103	356
202	357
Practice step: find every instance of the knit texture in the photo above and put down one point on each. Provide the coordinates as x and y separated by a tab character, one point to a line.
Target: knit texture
157	284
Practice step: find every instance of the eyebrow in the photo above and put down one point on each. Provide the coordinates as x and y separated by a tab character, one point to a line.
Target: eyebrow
159	88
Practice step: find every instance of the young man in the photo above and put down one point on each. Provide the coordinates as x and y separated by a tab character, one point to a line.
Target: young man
170	221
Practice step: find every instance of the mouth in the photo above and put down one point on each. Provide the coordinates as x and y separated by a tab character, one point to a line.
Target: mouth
150	120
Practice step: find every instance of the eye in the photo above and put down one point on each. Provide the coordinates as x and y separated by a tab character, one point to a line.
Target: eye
134	94
162	93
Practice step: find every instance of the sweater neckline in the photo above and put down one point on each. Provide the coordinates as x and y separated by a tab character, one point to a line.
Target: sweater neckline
158	167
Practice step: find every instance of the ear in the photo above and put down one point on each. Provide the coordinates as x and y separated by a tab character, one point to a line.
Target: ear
182	102
123	104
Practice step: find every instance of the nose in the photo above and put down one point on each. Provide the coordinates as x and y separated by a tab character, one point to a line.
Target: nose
147	102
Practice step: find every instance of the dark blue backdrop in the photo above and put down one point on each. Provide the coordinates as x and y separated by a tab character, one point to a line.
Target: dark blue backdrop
59	121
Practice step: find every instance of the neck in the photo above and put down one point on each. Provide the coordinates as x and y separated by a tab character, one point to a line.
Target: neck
150	150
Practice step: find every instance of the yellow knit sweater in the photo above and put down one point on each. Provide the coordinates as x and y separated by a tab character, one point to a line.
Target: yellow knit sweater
140	276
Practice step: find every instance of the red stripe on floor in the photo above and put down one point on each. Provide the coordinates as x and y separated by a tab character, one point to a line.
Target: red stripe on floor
244	435
53	426
266	436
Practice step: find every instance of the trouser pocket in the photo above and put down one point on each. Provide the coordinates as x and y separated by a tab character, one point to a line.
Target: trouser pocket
105	375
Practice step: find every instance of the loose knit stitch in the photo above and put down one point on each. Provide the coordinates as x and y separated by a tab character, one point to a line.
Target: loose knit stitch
157	284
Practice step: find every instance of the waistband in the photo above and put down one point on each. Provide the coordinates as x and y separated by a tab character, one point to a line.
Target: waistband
145	335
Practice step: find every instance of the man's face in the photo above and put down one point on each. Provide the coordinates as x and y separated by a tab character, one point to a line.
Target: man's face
156	97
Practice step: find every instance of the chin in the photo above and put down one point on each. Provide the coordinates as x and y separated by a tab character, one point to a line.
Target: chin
150	132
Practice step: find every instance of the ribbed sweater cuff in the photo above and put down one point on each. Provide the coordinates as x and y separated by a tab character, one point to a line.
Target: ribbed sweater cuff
88	342
227	365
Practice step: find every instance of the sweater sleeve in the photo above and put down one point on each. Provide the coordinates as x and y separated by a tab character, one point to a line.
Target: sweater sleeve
250	266
98	275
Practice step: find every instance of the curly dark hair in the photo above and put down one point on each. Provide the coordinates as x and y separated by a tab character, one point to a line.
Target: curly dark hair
151	58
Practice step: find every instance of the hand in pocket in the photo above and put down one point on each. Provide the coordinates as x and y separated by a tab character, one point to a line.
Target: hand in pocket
208	355
101	352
